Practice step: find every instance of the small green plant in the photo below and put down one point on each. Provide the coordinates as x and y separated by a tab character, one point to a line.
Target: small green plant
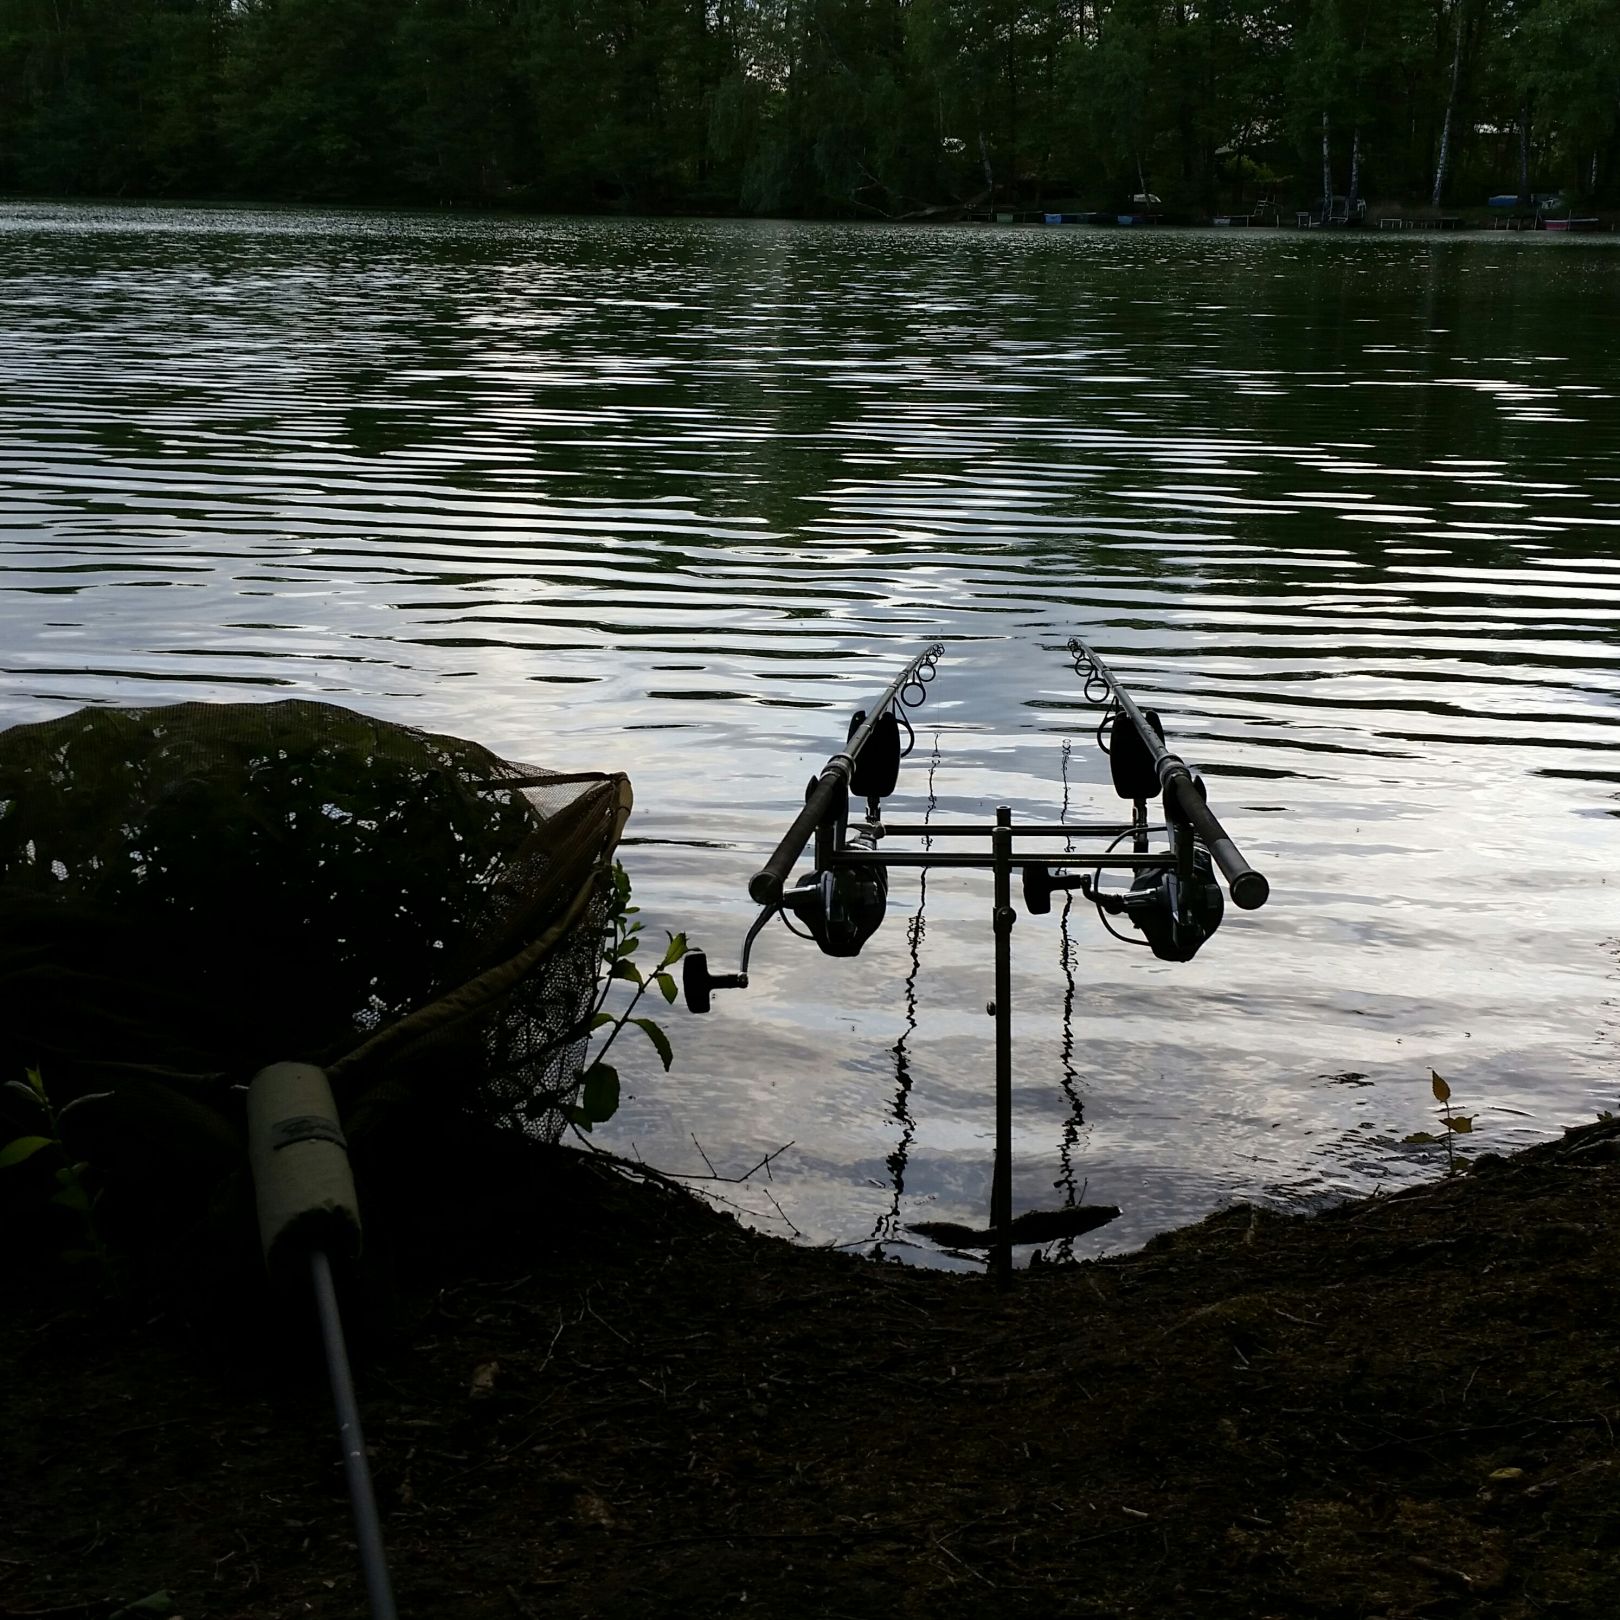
596	1097
72	1189
1455	1124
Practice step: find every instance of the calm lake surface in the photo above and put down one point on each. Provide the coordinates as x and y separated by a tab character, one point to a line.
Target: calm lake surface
674	497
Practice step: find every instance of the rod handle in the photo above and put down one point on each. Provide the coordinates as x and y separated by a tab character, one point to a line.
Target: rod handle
1250	889
300	1163
765	886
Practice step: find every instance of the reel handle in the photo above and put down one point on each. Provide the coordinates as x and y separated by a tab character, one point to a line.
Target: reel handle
698	984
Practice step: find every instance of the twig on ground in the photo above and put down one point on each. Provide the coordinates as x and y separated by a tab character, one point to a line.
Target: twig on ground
521	1607
782	1212
764	1164
939	1546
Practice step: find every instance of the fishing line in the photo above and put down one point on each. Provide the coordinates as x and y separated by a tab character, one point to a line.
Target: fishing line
1069	1077
887	1226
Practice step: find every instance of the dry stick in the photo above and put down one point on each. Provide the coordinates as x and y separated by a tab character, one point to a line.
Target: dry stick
941	1547
608	1325
705	1157
674	1178
764	1164
66	1609
782	1212
521	1607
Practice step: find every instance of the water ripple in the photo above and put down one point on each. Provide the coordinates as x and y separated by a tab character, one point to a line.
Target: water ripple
673	496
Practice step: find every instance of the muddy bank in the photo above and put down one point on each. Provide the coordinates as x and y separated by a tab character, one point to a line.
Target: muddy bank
587	1396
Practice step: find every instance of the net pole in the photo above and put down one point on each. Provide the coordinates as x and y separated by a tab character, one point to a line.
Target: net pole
362	1497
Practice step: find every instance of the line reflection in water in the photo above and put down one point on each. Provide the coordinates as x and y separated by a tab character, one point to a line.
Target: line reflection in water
1068	1075
888	1228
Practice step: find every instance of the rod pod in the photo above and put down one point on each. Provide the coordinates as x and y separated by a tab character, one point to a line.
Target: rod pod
308	1211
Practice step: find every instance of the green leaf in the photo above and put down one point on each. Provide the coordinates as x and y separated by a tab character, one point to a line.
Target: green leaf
626	970
1442	1092
1462	1124
578	1116
602	1019
667	985
36	1083
155	1606
676	950
26	1091
73	1197
20	1148
659	1039
626	946
88	1097
599	1094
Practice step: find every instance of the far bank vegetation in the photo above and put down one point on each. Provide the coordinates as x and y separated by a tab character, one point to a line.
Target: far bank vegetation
858	108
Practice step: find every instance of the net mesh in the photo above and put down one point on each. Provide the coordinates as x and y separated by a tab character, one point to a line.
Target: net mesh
190	892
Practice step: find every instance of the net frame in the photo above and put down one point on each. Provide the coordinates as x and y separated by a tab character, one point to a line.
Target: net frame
166	870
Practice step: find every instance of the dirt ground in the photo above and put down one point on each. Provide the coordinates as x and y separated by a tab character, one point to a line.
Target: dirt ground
586	1395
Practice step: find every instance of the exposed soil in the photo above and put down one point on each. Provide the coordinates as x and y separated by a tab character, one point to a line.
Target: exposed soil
585	1395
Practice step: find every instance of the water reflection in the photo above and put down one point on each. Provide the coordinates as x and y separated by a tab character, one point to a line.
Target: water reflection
673	496
888	1227
1069	1140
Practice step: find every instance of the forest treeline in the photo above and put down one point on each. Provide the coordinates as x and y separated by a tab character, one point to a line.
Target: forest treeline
851	107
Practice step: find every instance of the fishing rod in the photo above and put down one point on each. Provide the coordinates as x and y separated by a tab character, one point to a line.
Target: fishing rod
842	910
1183	792
1174	901
868	767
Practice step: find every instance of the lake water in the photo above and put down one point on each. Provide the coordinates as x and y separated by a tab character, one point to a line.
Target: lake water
674	497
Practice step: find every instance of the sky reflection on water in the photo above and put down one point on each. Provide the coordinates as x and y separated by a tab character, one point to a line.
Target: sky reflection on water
672	497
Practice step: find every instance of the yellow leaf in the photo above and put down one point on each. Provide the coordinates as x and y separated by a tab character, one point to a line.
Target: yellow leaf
1442	1092
1462	1124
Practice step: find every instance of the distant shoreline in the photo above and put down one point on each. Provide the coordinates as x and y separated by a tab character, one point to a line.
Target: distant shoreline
1382	216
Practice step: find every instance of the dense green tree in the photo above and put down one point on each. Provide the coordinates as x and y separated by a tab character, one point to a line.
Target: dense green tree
109	96
890	107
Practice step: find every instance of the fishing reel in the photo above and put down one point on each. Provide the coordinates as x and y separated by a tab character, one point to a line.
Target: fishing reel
842	909
1174	914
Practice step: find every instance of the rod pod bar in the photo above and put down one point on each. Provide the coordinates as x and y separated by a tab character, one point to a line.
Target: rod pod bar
1183	799
831	785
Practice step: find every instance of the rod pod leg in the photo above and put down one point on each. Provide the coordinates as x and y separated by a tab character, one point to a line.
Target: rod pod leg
1001	1177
